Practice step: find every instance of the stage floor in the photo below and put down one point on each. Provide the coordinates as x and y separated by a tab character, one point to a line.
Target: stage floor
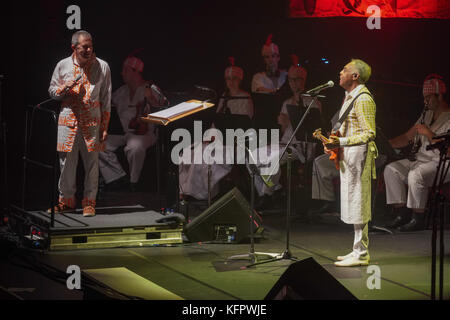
201	271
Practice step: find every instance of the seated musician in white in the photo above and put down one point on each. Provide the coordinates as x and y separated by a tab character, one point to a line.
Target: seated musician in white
272	79
408	182
136	93
301	150
193	178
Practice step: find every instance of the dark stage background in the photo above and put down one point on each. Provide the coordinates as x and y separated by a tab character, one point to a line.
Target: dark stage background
188	42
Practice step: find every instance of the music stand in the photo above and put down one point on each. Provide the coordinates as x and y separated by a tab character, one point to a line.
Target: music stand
224	121
295	113
267	109
287	255
165	117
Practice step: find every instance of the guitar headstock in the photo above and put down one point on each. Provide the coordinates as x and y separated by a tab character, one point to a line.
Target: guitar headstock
317	133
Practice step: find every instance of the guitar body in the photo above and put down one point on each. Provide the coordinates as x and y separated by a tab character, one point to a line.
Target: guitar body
334	153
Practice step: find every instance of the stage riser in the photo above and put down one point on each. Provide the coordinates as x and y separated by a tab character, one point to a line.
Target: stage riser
122	239
110	228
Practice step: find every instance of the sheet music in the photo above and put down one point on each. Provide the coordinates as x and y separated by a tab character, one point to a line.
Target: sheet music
176	110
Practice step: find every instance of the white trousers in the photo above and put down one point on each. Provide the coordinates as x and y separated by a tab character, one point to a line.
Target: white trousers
193	178
409	182
361	241
323	174
68	162
135	151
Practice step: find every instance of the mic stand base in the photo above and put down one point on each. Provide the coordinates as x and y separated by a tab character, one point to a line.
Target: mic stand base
253	256
286	255
379	229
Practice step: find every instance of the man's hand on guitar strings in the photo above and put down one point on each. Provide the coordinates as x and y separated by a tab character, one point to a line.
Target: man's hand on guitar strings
332	144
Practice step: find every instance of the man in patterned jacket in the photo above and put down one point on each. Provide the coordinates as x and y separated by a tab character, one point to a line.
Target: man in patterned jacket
83	84
357	158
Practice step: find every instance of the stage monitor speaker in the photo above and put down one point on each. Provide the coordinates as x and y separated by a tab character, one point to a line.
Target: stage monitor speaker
308	280
226	221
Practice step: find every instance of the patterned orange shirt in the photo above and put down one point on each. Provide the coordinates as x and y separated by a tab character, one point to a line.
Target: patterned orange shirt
84	107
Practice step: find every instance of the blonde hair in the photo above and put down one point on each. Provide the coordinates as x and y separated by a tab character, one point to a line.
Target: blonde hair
363	69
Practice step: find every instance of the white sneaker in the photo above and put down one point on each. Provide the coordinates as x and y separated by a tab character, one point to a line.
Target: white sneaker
353	262
340	258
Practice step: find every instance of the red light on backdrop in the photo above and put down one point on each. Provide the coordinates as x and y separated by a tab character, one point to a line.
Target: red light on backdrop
419	9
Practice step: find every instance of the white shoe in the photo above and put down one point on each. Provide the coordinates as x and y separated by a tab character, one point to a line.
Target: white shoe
340	258
353	262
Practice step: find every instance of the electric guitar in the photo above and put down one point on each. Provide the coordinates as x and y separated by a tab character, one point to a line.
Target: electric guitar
334	153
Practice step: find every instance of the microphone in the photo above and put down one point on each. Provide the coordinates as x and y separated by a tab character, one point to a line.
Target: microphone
156	89
317	89
204	88
74	83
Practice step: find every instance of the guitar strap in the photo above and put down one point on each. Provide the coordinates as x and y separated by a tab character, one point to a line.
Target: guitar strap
341	120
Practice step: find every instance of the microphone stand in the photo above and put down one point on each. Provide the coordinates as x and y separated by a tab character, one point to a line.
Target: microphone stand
4	169
287	255
437	206
252	255
27	160
209	185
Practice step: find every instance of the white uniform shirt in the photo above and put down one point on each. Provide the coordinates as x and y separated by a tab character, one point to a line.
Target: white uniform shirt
440	126
126	109
261	79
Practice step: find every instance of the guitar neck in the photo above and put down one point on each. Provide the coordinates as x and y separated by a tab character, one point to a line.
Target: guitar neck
321	137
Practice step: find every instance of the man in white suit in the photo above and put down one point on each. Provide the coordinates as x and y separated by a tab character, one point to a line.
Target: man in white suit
357	158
